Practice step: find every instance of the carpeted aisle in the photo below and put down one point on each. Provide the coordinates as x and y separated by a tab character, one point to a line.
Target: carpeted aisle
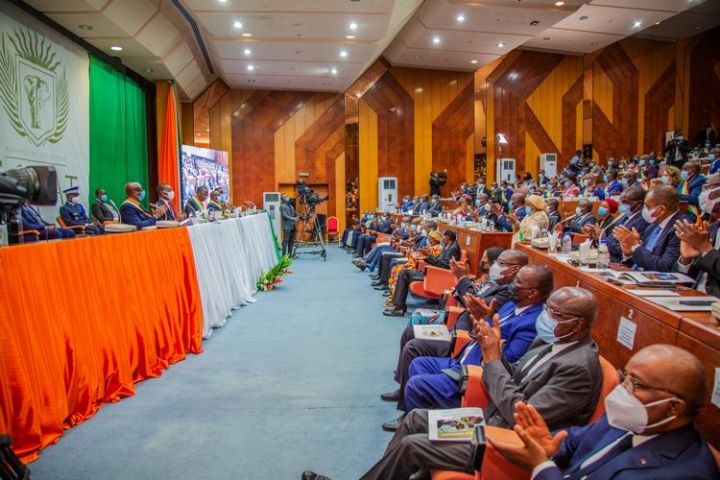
290	383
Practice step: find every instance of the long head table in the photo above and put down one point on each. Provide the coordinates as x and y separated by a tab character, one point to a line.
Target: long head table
693	331
82	321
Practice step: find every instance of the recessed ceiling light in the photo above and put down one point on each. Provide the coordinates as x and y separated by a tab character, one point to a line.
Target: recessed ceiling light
534	22
658	22
473	62
222	1
500	45
343	53
546	39
594	44
436	40
247	34
418	90
559	4
148	70
117	48
637	23
237	24
333	71
251	68
85	26
583	18
353	26
247	51
417	57
350	37
460	18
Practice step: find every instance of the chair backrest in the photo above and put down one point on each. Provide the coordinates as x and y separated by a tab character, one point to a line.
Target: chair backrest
578	238
332	224
610	381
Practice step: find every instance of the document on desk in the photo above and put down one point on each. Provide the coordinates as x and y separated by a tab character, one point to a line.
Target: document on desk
454	425
653	293
665	279
432	332
686	304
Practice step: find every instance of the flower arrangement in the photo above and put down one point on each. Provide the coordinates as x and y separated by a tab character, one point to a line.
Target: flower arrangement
274	276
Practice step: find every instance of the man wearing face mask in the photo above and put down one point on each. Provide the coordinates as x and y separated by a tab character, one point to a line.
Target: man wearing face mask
435	206
390	258
551	208
699	242
73	213
658	248
407	204
676	150
505	223
132	212
434	382
647	432
690	187
288	216
165	195
583	217
631	205
591	188
423	207
629	180
102	210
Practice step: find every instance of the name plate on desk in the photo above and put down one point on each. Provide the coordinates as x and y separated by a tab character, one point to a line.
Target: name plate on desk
626	332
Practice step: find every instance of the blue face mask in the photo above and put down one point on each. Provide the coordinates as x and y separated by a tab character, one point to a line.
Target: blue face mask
602	211
545	326
711	156
623	182
103	198
568	184
528	211
684	174
624	209
142	195
605	178
477	203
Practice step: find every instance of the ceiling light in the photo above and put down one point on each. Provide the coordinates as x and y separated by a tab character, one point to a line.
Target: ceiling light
418	90
247	34
343	53
637	23
333	71
353	26
148	70
473	62
117	48
222	1
658	22
559	4
251	68
500	45
583	18
460	18
350	37
436	40
247	51
546	39
534	22
237	24
85	26
594	44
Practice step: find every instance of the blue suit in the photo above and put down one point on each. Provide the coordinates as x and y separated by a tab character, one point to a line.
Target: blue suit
596	192
677	454
504	225
422	208
133	216
637	222
31	220
693	195
664	253
407	205
614	188
429	387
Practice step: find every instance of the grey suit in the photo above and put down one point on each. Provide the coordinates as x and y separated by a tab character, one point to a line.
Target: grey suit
287	218
564	389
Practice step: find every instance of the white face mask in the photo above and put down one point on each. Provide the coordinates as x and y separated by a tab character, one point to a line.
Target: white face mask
170	195
706	204
496	271
578	212
648	215
75	200
626	412
424	232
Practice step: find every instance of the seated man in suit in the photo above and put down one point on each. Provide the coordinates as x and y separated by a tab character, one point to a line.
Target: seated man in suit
132	213
73	213
504	223
690	188
658	248
630	179
699	242
583	217
433	381
102	210
32	220
423	206
402	289
195	206
399	234
551	209
647	432
166	195
407	204
591	188
612	186
560	376
632	201
389	259
496	292
435	205
215	203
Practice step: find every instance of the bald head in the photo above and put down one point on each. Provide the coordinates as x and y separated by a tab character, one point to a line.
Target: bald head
517	199
673	369
131	187
575	301
585	205
539	277
516	257
663	195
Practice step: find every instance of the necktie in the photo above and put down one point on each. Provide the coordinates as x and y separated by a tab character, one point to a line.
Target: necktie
653	238
585	469
526	367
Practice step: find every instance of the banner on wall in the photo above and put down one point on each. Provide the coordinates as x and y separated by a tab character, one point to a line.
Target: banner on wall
204	167
44	98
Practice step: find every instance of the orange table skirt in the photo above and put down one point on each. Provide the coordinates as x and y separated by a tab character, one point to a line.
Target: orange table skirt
82	321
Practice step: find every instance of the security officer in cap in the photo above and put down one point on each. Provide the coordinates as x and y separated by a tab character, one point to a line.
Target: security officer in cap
73	213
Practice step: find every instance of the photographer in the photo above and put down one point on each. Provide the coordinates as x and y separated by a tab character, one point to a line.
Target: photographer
288	217
676	150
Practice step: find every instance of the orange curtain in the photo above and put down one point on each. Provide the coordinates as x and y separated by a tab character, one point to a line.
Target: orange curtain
82	321
168	159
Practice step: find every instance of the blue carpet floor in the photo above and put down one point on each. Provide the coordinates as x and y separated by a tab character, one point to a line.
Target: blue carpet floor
290	383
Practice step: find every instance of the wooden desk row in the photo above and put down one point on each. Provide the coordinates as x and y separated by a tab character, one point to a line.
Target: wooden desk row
696	332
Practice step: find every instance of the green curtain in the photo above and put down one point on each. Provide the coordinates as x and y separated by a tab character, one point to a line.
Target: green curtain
118	132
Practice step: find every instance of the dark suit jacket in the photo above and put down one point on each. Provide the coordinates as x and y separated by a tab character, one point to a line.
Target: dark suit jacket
169	213
636	222
579	222
671	455
287	212
554	218
501	293
443	260
710	264
565	389
102	212
694	190
666	251
31	219
133	216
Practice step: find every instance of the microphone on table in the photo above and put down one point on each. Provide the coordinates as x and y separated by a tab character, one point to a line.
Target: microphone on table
602	232
116	209
565	220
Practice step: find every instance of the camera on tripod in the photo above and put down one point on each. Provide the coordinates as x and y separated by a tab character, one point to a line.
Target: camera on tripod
37	184
308	196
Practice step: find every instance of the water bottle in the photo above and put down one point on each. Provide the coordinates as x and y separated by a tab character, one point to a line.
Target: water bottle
567	244
603	260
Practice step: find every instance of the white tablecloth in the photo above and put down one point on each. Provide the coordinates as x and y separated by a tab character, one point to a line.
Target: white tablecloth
230	256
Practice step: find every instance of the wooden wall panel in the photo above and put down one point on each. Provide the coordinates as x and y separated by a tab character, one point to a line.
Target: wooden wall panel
704	99
450	133
368	153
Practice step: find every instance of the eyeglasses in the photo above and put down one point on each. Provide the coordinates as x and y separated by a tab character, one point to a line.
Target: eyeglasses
632	383
556	313
503	263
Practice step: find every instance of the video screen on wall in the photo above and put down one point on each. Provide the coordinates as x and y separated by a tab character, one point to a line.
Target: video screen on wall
203	166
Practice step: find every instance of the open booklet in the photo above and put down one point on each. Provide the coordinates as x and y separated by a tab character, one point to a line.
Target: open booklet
432	332
454	425
643	278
